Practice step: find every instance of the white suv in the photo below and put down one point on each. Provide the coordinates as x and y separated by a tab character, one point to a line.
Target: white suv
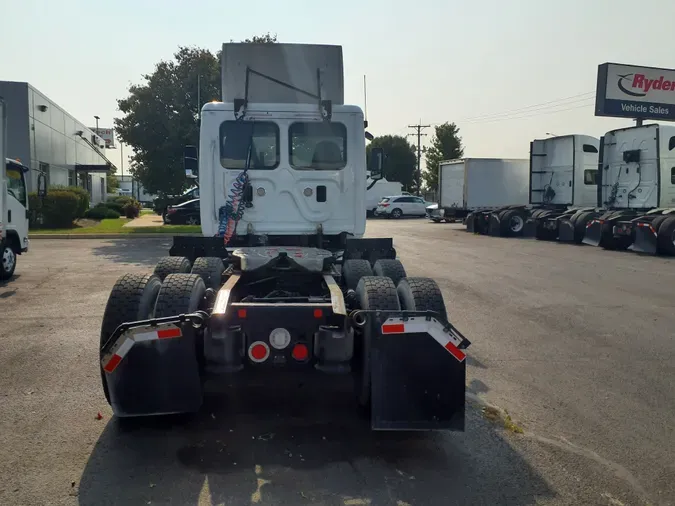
401	205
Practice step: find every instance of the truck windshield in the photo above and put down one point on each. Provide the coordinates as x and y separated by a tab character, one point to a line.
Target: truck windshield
318	146
235	137
16	185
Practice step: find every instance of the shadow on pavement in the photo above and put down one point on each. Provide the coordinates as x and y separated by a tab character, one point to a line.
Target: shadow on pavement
301	445
139	251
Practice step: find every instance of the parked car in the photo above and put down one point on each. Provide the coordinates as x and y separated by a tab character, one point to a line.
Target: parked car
401	205
186	213
161	204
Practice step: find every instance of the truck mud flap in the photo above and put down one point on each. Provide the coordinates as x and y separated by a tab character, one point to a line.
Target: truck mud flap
566	230
470	222
593	234
152	370
530	228
494	225
417	382
646	239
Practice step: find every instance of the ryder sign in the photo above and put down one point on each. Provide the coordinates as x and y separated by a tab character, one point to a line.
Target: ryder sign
628	91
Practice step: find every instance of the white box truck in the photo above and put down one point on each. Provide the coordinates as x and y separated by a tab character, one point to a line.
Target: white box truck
378	189
472	188
636	190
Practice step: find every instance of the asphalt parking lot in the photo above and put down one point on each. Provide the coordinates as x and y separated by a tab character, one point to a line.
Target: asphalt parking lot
576	343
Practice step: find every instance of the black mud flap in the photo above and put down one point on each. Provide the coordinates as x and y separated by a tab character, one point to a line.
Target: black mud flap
494	225
157	377
470	222
566	230
416	384
593	234
646	239
530	228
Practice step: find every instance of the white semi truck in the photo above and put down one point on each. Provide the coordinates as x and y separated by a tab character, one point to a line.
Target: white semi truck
473	188
13	204
283	280
563	186
636	191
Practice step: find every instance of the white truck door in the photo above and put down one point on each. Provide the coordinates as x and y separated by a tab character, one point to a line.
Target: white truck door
17	203
586	179
630	168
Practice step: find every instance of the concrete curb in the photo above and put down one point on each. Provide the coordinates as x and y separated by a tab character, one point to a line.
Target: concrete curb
108	236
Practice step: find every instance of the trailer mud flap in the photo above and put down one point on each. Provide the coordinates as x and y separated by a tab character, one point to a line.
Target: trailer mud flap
593	234
566	230
416	382
153	370
646	239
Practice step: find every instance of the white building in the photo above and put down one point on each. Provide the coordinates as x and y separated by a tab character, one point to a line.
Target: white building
46	138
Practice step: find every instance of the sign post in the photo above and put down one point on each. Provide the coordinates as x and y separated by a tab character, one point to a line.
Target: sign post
631	91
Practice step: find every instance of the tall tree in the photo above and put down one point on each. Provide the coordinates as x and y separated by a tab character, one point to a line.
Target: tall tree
446	144
399	158
161	115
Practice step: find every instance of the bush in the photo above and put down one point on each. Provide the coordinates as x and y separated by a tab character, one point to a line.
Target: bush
101	212
82	195
118	203
132	210
58	209
34	210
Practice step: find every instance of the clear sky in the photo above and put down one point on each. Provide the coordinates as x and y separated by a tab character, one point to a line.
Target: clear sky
429	60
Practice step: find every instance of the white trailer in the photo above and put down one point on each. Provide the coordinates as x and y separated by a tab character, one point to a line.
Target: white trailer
636	190
283	282
563	185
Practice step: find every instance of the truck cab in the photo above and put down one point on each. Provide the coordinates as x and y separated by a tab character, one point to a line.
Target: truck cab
17	206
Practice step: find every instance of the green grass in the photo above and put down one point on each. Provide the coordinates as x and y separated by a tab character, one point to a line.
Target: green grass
146	211
116	226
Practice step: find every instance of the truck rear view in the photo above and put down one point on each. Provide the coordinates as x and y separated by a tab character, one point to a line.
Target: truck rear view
282	280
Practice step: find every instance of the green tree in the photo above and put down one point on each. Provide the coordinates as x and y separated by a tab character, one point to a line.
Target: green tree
400	159
446	144
161	115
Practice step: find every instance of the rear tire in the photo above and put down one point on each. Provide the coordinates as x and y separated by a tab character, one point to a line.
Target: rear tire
396	213
132	298
656	222
580	225
512	223
353	270
390	268
172	265
666	236
421	294
372	292
210	269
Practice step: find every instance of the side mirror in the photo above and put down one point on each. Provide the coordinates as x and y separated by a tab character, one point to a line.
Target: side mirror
376	164
190	161
42	185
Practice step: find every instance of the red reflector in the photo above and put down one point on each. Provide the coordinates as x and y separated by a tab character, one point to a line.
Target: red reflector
393	328
300	352
258	352
318	313
455	351
241	313
168	333
112	365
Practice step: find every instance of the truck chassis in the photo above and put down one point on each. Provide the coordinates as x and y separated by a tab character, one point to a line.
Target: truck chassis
207	312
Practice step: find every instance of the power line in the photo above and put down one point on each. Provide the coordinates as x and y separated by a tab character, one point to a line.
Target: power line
528	115
418	174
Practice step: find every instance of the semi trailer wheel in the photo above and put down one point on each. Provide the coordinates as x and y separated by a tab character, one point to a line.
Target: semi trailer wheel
132	298
372	292
421	294
172	265
210	269
666	236
390	268
353	270
656	222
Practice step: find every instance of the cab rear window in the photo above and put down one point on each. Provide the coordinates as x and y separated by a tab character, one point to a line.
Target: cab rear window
236	137
317	146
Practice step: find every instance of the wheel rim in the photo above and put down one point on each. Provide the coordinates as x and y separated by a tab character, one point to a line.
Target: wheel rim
8	259
396	213
192	221
516	224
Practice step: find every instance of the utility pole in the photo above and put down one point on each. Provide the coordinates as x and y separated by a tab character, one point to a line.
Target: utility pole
419	134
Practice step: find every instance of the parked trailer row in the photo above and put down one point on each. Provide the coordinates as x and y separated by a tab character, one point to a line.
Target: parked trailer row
617	192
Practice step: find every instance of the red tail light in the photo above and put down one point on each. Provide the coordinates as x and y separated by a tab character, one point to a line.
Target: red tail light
258	351
384	205
300	352
171	210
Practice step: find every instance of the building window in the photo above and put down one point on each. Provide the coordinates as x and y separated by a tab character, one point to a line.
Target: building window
589	148
590	177
72	180
102	188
